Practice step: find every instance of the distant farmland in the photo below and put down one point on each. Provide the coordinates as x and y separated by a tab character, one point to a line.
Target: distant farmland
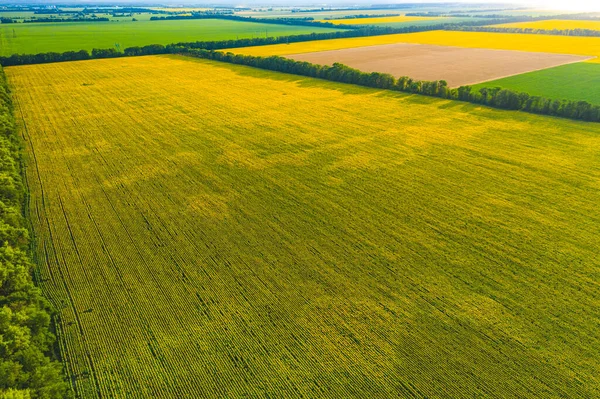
579	82
207	229
576	45
65	36
550	24
456	65
382	20
400	21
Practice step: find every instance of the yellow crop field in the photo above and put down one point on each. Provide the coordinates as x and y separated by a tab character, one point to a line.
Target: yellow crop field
560	24
501	41
379	20
213	230
319	45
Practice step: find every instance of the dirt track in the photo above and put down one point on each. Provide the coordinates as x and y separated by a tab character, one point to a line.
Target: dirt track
457	65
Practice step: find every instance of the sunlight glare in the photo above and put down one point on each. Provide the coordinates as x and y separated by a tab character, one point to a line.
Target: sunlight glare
573	5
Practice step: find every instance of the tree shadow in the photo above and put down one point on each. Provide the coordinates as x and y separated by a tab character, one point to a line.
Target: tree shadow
344	88
301	81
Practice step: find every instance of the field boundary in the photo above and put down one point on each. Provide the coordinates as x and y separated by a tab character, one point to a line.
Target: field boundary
29	349
180	224
362	31
572	81
533	70
273	21
529	31
392	58
43	58
493	97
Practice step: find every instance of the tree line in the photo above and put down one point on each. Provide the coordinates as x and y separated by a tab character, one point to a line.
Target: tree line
274	21
426	14
493	97
359	16
559	32
43	58
97	19
356	31
456	14
26	341
436	25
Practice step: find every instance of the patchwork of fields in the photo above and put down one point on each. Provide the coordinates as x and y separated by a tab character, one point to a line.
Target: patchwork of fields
577	45
381	20
460	57
550	24
66	36
208	229
456	65
401	21
325	14
315	14
444	20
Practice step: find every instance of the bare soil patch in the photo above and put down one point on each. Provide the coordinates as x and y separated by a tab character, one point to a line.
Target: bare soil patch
457	65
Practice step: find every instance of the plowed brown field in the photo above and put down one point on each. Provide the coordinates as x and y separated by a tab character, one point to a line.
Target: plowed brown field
456	65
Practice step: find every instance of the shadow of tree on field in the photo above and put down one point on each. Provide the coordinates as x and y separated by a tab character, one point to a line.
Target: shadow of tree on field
301	81
350	89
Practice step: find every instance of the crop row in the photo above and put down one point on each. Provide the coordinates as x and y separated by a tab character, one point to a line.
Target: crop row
335	242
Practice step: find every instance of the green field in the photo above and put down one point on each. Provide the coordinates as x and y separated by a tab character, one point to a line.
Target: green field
28	15
210	228
17	14
65	36
580	82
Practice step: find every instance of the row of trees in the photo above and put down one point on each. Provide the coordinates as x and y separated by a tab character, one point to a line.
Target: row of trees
83	19
42	58
359	16
45	58
26	341
355	31
560	32
493	97
275	21
344	34
436	25
95	10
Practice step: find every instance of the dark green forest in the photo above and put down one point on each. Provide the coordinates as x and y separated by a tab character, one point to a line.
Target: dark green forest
27	344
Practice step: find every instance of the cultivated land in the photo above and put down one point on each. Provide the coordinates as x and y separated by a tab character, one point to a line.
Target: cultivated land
457	65
65	36
573	82
445	20
560	24
211	229
519	12
380	20
317	15
320	15
500	41
400	22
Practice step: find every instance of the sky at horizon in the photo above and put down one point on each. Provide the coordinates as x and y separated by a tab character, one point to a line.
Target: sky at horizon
570	5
